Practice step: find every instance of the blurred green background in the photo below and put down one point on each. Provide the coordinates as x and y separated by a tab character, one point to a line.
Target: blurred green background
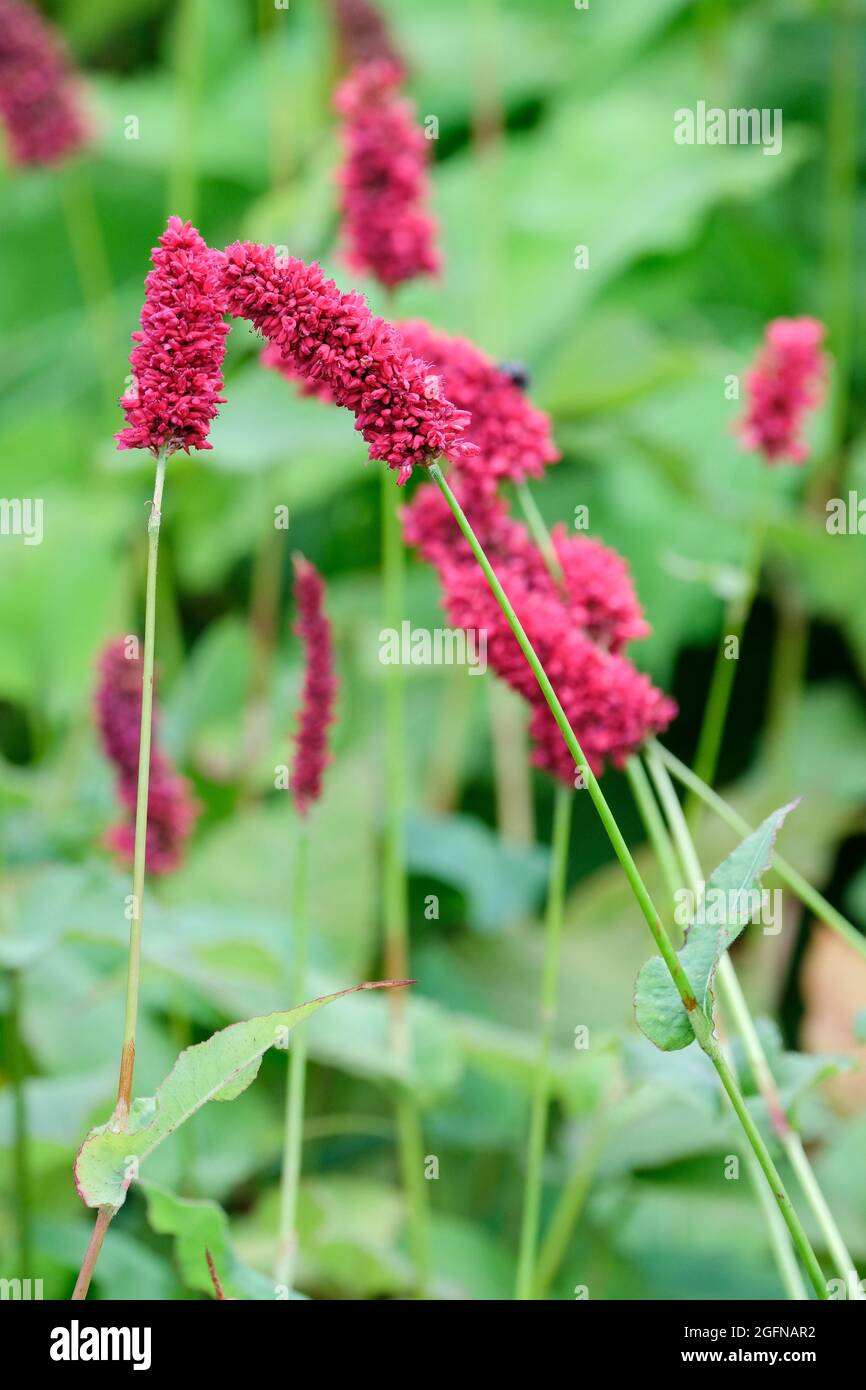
555	131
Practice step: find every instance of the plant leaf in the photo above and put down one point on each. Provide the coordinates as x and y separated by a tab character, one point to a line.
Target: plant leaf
722	914
218	1069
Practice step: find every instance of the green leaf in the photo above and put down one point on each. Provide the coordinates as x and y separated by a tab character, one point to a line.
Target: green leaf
725	909
198	1226
217	1069
502	882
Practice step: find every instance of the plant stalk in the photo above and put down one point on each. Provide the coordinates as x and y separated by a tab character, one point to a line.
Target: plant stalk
296	1071
395	886
701	1024
569	1207
541	1083
23	1187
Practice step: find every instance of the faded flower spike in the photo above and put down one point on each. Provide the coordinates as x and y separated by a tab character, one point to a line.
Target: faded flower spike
40	98
172	810
316	713
178	357
330	339
387	231
786	382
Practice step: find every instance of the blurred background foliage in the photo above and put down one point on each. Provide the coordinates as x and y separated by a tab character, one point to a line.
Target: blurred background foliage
555	131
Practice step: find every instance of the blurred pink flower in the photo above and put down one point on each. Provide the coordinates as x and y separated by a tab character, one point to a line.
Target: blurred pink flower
177	360
330	339
387	231
578	628
40	97
786	382
362	33
316	713
171	809
514	439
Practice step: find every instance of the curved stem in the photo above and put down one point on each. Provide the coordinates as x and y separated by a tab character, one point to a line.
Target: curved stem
800	886
701	1024
567	1211
724	672
541	1084
296	1071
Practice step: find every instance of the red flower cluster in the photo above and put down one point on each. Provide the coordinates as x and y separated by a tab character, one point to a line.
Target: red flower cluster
330	339
39	96
171	809
177	362
362	33
514	439
578	627
319	692
384	186
786	382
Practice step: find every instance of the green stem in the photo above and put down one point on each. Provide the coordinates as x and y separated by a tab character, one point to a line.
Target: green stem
182	179
567	1211
541	1082
395	885
127	1059
296	1071
734	1004
724	672
22	1138
786	872
701	1024
89	253
538	528
654	825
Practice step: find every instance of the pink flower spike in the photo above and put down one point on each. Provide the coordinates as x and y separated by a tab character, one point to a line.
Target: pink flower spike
362	33
387	231
40	100
330	339
786	382
316	713
177	360
514	439
171	809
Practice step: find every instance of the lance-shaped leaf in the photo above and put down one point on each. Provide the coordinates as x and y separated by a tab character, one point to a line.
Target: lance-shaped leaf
218	1069
728	903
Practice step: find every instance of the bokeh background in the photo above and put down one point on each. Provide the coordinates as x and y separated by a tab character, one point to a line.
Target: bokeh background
555	131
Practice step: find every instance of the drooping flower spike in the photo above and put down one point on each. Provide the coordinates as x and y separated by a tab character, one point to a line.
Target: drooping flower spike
331	340
172	810
387	231
316	712
578	628
178	357
40	94
514	439
786	382
362	34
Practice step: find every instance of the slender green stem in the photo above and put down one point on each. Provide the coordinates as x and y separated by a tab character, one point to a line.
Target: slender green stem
734	1004
183	171
395	885
541	1083
701	1024
654	825
808	895
538	528
127	1060
296	1071
736	616
23	1186
567	1211
87	242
